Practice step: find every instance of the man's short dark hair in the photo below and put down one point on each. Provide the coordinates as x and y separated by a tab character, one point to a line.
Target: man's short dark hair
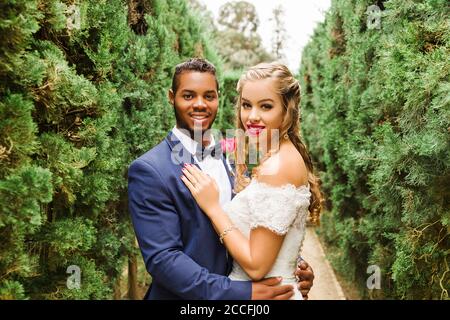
193	65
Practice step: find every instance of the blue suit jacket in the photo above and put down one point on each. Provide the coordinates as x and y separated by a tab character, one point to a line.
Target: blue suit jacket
180	247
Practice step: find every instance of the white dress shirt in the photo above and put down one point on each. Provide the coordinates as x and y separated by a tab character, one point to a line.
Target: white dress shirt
209	165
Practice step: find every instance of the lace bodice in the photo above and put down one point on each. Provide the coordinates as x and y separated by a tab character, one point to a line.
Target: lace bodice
281	209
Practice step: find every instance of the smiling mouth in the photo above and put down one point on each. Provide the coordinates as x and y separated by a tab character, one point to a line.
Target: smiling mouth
255	130
200	120
199	117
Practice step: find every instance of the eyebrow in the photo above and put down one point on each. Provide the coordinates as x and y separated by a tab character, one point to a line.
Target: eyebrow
259	100
193	91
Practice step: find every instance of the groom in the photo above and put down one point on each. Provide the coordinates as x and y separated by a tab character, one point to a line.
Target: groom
180	247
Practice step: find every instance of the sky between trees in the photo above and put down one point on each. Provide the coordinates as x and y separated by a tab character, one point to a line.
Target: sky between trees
301	17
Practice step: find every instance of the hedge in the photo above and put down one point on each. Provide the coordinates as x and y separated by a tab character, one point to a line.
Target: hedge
376	118
83	91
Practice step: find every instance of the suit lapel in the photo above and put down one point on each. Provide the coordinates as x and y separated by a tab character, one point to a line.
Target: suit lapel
179	154
230	173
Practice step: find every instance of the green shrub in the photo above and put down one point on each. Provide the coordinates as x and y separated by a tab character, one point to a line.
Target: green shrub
376	118
83	91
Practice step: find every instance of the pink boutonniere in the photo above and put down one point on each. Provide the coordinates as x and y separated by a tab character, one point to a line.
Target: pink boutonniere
228	145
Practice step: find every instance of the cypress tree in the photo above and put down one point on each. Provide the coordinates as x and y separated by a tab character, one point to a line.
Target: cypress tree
83	92
376	118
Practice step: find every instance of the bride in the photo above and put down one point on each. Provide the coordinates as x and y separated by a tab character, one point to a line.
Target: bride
264	225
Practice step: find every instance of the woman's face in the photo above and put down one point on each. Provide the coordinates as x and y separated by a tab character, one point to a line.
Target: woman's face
261	110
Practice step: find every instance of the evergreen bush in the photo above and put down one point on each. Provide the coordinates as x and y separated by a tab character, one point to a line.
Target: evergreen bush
83	91
376	119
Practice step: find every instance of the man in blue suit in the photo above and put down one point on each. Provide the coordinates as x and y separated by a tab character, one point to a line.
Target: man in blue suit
180	247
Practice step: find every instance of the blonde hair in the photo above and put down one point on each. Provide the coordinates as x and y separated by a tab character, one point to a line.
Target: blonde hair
289	90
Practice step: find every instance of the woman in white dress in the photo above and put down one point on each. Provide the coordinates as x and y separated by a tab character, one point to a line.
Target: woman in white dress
264	225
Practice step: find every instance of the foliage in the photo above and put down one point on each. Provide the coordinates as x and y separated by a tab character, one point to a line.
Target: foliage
225	119
376	120
237	39
279	36
82	93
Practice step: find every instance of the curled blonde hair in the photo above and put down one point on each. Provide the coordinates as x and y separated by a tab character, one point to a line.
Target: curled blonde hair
289	90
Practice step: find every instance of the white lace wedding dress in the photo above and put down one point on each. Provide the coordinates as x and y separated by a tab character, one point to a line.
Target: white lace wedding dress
281	209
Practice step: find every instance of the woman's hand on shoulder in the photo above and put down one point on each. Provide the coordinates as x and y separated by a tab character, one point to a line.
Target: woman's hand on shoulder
203	188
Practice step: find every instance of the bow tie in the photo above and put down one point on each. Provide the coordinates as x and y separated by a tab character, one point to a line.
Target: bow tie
214	151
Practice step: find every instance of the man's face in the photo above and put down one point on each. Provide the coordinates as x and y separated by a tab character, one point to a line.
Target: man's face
196	100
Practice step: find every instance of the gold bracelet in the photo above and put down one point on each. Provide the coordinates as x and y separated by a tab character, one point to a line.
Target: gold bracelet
225	232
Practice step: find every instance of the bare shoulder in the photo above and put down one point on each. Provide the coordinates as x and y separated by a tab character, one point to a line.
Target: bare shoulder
285	167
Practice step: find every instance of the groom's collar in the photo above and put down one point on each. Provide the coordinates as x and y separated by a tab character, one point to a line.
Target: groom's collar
188	143
172	140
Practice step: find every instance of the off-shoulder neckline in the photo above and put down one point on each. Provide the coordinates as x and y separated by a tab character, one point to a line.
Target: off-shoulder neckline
284	186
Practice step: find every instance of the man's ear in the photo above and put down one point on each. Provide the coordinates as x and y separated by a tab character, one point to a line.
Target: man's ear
171	97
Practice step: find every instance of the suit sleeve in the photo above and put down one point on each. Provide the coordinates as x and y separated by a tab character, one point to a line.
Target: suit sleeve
157	227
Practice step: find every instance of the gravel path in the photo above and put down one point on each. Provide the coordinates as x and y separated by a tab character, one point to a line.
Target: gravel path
326	286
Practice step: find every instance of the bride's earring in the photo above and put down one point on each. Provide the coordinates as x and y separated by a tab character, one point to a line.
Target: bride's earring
286	136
